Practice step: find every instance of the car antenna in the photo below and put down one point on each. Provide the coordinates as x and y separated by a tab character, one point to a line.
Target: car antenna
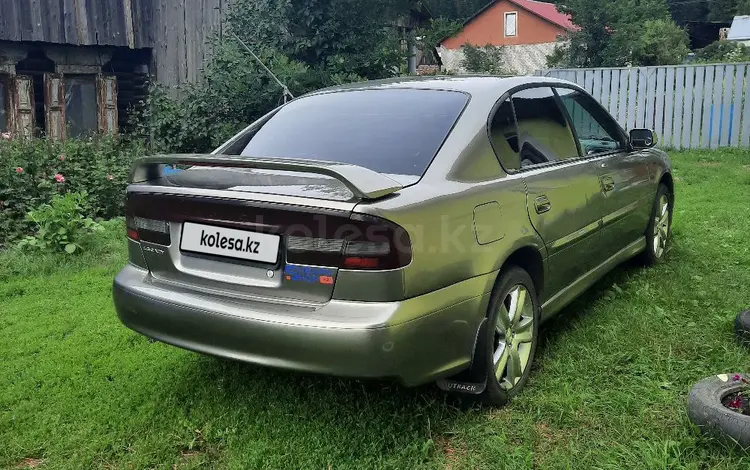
287	93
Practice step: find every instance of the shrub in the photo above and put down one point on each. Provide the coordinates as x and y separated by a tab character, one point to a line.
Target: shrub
488	59
32	171
724	51
660	42
235	91
61	225
103	248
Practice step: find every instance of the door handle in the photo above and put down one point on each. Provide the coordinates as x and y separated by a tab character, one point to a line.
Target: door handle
608	184
542	204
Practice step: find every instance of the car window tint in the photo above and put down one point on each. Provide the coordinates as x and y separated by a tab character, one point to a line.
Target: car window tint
395	131
597	131
543	131
504	135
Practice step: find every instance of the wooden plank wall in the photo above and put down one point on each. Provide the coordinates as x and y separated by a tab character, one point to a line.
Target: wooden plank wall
182	37
123	23
689	106
178	31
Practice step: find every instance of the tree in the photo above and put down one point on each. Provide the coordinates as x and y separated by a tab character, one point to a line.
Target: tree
743	7
455	9
608	31
334	37
439	29
683	11
725	10
662	42
308	44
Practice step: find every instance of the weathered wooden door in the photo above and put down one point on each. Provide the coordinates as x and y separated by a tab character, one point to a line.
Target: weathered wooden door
54	106
23	104
107	104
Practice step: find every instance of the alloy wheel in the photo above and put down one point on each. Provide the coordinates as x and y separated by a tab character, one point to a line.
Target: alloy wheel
661	227
513	337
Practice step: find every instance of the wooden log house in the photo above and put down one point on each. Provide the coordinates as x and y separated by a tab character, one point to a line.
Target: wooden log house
75	67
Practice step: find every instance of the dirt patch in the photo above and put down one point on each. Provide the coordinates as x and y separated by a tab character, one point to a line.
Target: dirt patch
186	456
454	453
30	462
547	438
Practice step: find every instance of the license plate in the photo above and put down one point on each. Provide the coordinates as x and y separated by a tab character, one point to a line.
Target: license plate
231	243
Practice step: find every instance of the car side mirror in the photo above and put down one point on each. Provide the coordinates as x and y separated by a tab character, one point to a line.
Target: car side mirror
642	138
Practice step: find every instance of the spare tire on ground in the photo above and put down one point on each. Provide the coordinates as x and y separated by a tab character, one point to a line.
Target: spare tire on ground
706	408
742	327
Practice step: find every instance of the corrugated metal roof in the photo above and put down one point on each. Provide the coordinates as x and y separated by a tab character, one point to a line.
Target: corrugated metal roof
740	30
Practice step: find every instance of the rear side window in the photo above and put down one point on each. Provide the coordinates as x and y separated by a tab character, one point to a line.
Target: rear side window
543	131
396	131
504	135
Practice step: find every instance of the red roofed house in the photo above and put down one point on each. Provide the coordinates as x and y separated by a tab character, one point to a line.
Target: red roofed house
529	29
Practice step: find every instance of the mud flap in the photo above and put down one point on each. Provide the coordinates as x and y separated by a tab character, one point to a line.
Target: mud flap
473	380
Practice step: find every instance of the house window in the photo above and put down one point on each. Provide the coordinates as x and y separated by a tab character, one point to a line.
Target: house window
80	104
511	23
3	106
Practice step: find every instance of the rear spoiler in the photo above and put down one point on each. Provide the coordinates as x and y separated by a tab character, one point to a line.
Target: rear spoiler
362	182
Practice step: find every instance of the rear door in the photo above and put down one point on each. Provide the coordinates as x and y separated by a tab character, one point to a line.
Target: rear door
563	189
624	175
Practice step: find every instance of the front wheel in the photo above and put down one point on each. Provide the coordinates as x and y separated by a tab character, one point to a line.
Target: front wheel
512	336
659	231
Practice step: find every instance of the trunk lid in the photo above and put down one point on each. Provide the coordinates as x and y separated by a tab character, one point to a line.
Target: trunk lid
275	230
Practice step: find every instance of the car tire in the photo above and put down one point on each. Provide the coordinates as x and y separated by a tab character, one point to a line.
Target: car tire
658	243
706	410
742	327
514	292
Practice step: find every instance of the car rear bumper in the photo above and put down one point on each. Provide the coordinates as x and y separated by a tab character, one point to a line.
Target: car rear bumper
414	341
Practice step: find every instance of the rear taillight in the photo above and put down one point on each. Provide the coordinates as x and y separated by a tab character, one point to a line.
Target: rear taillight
148	230
368	243
324	238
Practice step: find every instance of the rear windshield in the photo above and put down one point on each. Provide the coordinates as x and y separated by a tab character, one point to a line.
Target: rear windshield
396	131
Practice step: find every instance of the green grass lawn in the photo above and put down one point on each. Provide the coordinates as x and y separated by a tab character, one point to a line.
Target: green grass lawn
608	390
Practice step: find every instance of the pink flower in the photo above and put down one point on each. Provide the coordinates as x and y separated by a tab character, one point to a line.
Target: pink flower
62	157
737	377
19	170
110	177
59	178
736	403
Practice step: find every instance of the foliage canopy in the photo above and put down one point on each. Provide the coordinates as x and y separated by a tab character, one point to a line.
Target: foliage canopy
615	33
308	44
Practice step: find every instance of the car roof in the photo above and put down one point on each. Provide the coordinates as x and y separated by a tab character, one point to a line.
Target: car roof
471	84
